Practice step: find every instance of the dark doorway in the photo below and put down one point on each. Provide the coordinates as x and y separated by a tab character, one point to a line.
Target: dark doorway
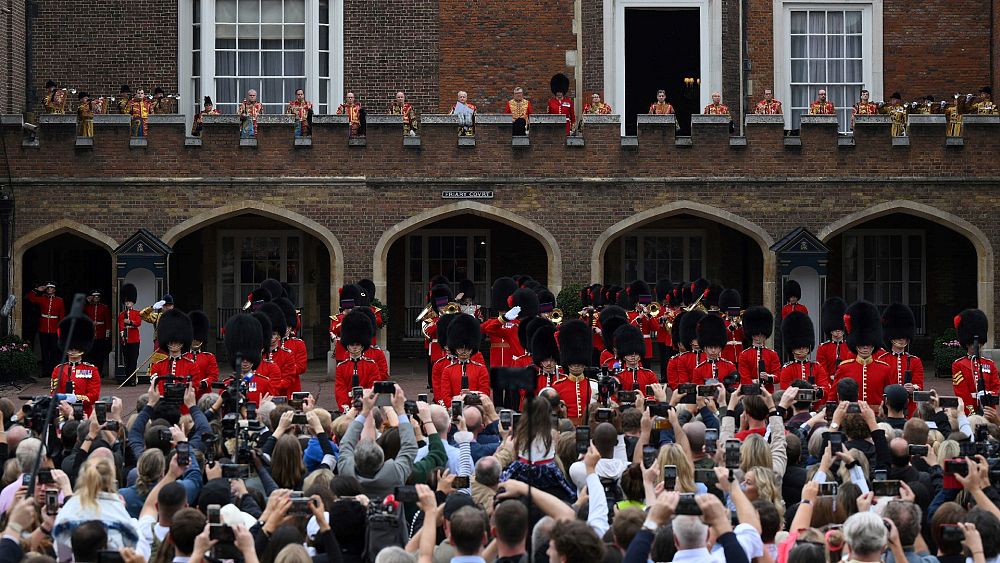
662	48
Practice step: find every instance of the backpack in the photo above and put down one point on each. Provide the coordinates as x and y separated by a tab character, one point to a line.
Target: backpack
385	529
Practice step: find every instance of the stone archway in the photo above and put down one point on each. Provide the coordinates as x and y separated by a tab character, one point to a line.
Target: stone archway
542	235
708	212
984	249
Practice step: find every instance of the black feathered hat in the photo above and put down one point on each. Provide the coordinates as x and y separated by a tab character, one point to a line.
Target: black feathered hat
864	325
730	299
352	294
521	279
610	312
199	326
273	287
576	343
792	289
971	323
559	83
83	334
533	285
585	297
243	339
546	301
467	289
543	344
628	341
368	286
596	293
287	309
440	296
832	317
129	293
527	300
526	330
758	320
367	312
797	332
50	84
635	290
711	331
698	288
675	330
686	296
663	288
277	318
464	332
711	300
256	298
356	329
289	293
898	322
502	289
173	326
443	322
264	322
609	328
689	327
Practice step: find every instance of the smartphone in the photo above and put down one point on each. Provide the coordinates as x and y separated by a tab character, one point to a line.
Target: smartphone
948	402
711	440
837	441
384	391
101	410
251	411
235	471
279	400
109	556
301	506
749	389
297	398
669	477
886	488
456	409
831	407
649	454
921	396
626	397
658	409
515	418
183	453
853	408
406	493
112	425
45	477
952	533
956	467
78	411
687	388
989	400
706	390
422	397
582	439
51	502
216	529
410	408
806	395
919	450
880	475
603	415
704	476
733	454
649	390
828	489
687	506
299	418
506	418
461	482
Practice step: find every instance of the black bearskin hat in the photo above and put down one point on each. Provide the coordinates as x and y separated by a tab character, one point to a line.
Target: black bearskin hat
264	322
443	322
628	341
711	300
559	83
758	320
533	285
793	289
287	309
173	326
663	288
543	344
686	298
83	334
596	293
546	301
199	326
351	292
464	332
698	288
527	300
576	343
610	312
256	297
526	329
898	322
356	329
832	317
797	332
675	330
585	297
441	295
367	312
243	339
711	331
608	330
636	289
689	327
273	287
129	293
502	289
730	299
367	286
467	289
289	293
277	318
864	325
521	279
971	323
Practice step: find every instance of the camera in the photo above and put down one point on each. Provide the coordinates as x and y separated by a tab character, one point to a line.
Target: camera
806	395
582	439
921	396
887	488
828	489
948	402
410	408
606	385
919	450
626	397
406	493
750	389
235	471
460	482
216	529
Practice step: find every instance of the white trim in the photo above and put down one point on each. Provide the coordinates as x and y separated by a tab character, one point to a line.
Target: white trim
185	20
871	44
710	36
643	234
312	50
336	96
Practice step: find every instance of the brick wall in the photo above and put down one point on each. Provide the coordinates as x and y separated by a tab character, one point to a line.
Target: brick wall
12	37
760	46
731	58
392	45
592	28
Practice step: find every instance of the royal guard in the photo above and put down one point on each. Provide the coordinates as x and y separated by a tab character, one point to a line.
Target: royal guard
864	334
244	341
296	345
519	109
174	335
152	315
799	338
411	121
758	362
629	346
84	116
682	365
864	106
129	322
374	351
139	108
350	296
907	370
639	298
440	297
545	355
302	109
793	294
560	104
526	302
355	115
51	311
466	113
768	106
207	109
368	291
546	305
973	374
267	369
55	98
208	366
661	106
256	298
712	337
357	370
575	347
731	307
664	321
821	106
502	330
437	369
611	318
78	377
834	349
100	314
464	373
277	353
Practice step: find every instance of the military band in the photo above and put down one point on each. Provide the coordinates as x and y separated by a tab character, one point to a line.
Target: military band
55	98
411	122
248	111
519	109
302	109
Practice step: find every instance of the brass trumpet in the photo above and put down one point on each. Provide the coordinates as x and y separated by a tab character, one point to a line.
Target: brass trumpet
556	316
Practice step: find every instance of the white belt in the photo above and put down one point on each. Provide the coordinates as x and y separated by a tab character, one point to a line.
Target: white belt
49	316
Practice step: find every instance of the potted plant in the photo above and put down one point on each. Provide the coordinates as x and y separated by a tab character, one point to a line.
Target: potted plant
17	361
946	351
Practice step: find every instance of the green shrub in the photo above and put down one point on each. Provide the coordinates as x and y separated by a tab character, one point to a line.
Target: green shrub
946	351
569	301
17	361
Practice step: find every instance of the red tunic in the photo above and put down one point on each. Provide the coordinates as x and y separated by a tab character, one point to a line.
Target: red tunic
793	307
52	311
298	348
436	385
563	107
607	359
130	332
101	315
350	373
681	367
709	369
900	363
547	379
434	350
663	335
749	364
208	371
182	366
734	347
285	360
648	327
477	378
257	383
637	379
339	350
504	343
595	326
965	379
804	371
830	354
871	375
86	382
574	390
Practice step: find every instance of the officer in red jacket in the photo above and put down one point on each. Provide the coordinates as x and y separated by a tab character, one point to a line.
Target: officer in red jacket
758	360
575	345
78	377
174	335
731	307
350	297
100	314
793	294
639	298
545	355
464	373
277	353
502	330
900	326
712	335
682	365
267	371
972	374
291	342
864	334
629	347
51	311
208	366
244	341
357	370
834	350
799	337
129	321
561	104
612	318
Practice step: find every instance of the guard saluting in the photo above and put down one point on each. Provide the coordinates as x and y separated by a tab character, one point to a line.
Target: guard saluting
834	350
502	329
973	374
52	310
78	377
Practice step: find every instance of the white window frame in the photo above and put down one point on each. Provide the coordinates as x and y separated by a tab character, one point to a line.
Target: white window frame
238	235
905	233
871	44
207	77
647	233
710	37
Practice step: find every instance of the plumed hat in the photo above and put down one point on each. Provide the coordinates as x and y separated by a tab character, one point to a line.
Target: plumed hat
543	344
467	289
758	320
257	296
129	293
635	290
526	329
199	325
608	330
797	332
288	310
610	312
464	332
628	341
277	318
575	343
730	298
351	292
173	326
368	287
243	339
689	327
711	300
864	325
832	317
711	331
441	295
289	293
273	287
443	322
546	301
527	300
264	323
971	323
793	289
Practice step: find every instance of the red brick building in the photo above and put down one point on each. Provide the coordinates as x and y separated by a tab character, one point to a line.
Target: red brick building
908	219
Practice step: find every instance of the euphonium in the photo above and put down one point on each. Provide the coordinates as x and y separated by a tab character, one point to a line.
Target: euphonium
654	309
556	316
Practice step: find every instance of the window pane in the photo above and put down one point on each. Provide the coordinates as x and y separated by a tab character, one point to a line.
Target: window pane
295	37
225	11
835	22
295	64
249	64
798	22
817	47
324	64
270	11
249	11
817	22
271	63
324	38
854	71
817	71
272	91
836	70
798	46
854	46
292	84
324	11
295	11
852	22
270	36
835	46
800	71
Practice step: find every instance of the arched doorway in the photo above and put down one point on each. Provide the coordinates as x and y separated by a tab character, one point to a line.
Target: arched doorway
463	240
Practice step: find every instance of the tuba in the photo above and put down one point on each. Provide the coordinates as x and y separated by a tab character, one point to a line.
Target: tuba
556	316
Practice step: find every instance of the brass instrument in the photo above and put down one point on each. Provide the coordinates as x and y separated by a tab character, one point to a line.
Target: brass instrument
451	308
697	304
556	316
654	309
422	317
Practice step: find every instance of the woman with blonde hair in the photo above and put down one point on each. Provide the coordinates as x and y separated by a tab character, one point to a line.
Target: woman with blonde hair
673	454
948	449
759	483
96	498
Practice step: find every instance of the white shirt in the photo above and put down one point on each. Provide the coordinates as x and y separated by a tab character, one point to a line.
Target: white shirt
698	555
749	539
605	469
148	525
